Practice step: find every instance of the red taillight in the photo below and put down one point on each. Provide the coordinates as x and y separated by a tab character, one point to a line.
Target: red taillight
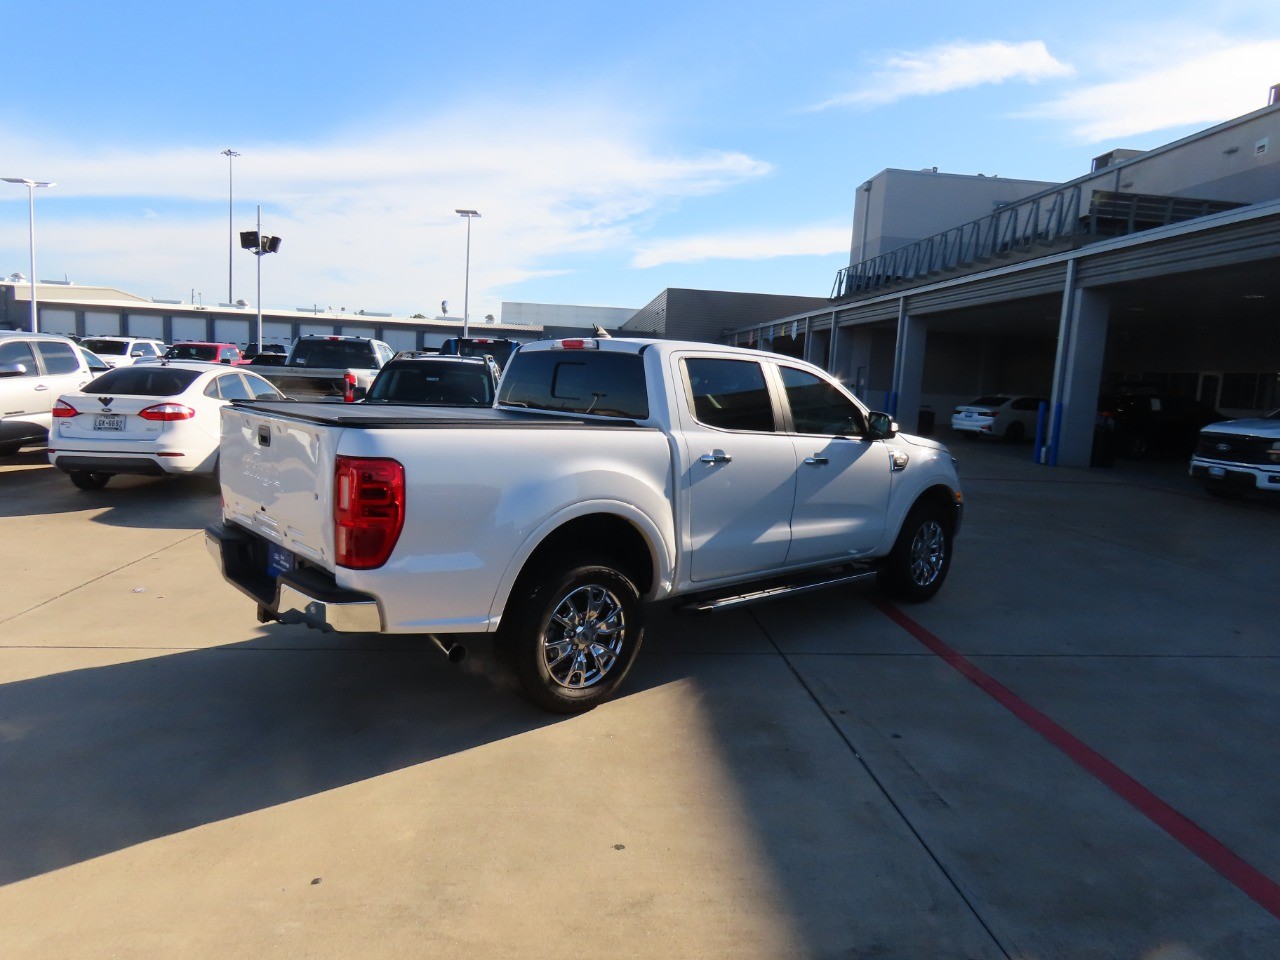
63	409
368	511
348	387
167	411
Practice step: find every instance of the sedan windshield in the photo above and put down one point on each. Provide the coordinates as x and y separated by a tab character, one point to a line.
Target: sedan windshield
143	380
114	348
192	351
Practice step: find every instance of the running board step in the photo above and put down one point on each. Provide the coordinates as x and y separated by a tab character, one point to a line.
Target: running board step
709	604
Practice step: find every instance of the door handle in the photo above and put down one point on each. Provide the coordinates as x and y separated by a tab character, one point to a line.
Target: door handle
718	457
41	386
816	459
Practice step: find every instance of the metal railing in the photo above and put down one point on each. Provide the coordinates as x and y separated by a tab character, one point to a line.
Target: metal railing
1019	231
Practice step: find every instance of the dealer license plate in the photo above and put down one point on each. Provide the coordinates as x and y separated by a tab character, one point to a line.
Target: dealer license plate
109	421
279	559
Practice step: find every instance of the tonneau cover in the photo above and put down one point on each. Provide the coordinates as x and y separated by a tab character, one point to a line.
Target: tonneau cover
400	416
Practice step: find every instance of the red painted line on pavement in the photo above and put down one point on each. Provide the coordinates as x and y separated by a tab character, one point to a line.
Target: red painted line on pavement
1249	880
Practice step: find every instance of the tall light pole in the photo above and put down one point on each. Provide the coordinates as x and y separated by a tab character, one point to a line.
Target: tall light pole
466	286
230	155
31	229
260	244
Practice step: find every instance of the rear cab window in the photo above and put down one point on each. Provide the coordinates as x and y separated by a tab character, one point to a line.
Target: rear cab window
606	383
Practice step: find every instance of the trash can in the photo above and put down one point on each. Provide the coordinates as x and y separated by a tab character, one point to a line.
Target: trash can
1103	453
924	426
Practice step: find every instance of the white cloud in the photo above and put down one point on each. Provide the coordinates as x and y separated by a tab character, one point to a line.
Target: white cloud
1220	80
367	222
954	66
803	241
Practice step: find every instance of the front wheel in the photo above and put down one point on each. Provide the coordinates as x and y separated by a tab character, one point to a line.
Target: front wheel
89	479
918	563
570	634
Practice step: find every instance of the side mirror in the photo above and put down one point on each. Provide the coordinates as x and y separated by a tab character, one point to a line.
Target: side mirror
882	426
225	360
13	369
136	353
358	393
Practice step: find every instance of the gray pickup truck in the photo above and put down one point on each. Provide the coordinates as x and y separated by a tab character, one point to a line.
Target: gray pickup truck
329	368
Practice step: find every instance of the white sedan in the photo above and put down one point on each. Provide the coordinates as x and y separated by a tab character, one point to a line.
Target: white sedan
152	419
1011	417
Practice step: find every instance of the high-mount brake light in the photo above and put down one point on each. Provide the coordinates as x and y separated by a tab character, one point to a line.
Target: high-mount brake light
63	409
577	344
368	510
166	412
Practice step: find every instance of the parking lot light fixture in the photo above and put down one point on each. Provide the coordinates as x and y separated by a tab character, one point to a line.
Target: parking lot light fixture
259	244
466	284
31	186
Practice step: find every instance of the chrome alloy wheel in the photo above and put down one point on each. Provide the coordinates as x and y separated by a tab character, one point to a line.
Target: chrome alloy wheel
928	553
584	637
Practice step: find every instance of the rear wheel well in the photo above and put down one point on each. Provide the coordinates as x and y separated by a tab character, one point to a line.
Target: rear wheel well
601	537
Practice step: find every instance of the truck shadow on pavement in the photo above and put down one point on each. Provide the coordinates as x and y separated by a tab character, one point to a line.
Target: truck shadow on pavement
96	760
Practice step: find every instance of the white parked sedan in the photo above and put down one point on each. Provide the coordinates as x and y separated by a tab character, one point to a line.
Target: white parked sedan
151	419
1010	417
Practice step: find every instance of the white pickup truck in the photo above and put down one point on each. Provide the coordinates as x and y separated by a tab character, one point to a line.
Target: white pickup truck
609	473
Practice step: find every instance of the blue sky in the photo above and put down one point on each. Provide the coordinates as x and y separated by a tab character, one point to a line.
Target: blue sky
612	150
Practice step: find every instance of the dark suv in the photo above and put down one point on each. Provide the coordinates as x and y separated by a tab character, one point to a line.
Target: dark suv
1145	425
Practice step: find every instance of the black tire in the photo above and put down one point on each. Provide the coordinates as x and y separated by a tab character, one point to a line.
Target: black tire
921	556
89	479
1136	447
1222	493
550	640
1015	433
9	449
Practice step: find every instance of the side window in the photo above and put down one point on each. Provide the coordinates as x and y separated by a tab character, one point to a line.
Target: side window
818	407
18	351
261	389
58	357
729	394
231	387
211	389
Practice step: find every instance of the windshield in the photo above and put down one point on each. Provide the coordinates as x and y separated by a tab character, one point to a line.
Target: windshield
192	351
114	348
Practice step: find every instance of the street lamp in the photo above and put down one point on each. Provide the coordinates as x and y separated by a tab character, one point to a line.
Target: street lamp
260	244
230	155
466	286
31	222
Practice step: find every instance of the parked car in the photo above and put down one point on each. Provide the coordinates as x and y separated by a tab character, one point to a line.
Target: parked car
212	352
151	419
329	368
251	351
1145	425
122	351
34	369
1239	456
998	415
434	380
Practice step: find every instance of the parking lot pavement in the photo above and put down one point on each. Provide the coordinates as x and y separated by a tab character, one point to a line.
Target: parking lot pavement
1069	753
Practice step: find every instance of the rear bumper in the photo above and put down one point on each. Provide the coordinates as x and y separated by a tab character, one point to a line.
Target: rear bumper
304	595
139	466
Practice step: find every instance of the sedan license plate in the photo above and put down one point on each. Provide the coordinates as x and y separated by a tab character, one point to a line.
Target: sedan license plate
1217	472
111	421
279	559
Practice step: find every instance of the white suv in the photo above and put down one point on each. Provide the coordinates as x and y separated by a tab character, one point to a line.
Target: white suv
34	369
122	351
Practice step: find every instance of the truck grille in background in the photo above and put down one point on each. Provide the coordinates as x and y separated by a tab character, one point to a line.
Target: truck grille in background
1236	449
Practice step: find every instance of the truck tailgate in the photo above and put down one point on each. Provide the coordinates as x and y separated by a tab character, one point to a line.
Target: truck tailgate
277	479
